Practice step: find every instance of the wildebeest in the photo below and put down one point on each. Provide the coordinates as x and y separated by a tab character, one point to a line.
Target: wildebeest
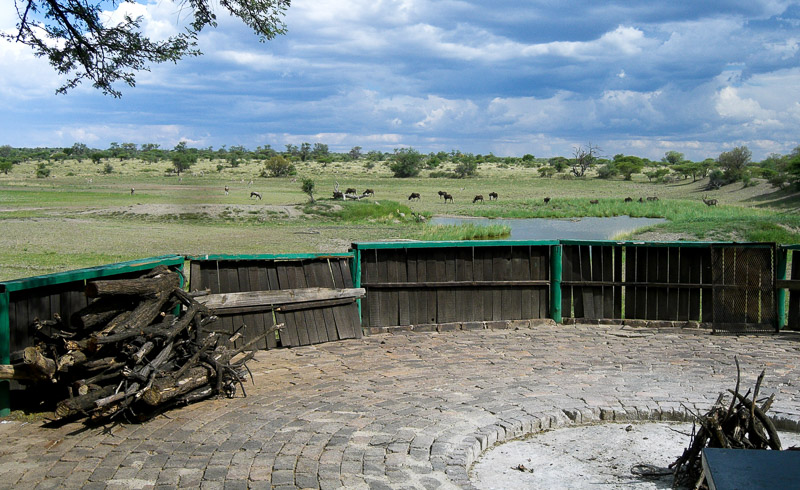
255	194
442	193
369	192
492	196
132	190
641	200
338	195
628	199
351	190
546	200
414	195
654	198
447	197
226	190
479	197
594	201
709	202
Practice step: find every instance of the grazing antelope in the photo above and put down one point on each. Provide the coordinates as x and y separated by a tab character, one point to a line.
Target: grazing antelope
492	196
442	193
654	198
594	201
447	197
255	194
226	190
709	202
350	190
369	192
546	200
479	197
628	199
414	195
132	190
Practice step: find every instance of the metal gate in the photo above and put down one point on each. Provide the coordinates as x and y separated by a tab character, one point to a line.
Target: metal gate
743	288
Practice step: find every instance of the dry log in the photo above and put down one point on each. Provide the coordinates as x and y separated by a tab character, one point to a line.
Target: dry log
142	315
146	286
220	302
70	359
148	331
17	371
41	366
167	388
79	404
100	312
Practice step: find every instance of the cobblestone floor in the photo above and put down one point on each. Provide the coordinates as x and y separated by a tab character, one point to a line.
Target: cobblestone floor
404	410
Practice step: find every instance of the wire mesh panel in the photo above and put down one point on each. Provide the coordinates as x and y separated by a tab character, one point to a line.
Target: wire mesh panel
744	289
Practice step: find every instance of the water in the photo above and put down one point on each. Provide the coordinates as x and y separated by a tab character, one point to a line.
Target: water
554	229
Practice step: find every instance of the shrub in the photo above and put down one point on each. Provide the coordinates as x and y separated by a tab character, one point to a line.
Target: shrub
108	168
406	162
42	171
466	169
278	166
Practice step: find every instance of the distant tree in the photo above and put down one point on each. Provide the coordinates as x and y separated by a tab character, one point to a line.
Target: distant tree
308	188
672	157
547	171
129	150
528	157
406	162
559	163
278	166
628	165
374	156
656	174
79	41
466	169
584	157
305	151
607	171
6	151
79	150
182	157
98	156
734	163
291	150
355	153
235	155
320	150
6	165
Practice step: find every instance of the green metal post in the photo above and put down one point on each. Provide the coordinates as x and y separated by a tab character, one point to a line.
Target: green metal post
5	353
555	283
780	273
356	271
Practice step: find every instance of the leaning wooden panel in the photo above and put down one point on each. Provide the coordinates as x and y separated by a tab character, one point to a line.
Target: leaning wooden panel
195	275
305	317
289	335
388	297
314	272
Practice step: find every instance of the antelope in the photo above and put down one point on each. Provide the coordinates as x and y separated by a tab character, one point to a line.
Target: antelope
414	195
350	190
255	194
654	198
447	197
594	201
546	200
492	196
628	199
709	202
226	190
369	192
479	197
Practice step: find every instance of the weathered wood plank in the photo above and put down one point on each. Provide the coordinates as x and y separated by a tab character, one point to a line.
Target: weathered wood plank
283	296
403	296
415	295
520	271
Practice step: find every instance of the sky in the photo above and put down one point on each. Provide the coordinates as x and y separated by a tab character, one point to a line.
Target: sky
507	77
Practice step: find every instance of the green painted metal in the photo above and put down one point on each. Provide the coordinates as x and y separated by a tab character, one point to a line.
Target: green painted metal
634	243
355	269
5	353
555	282
782	258
342	255
791	247
448	244
90	273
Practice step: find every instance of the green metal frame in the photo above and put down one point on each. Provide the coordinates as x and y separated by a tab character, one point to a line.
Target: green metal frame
343	255
8	287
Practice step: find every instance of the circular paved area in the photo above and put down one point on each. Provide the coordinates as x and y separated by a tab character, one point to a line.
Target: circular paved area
405	410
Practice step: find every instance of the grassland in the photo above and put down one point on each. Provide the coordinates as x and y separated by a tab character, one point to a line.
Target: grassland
80	217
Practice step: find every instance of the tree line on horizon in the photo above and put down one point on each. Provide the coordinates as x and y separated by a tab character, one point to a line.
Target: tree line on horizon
729	167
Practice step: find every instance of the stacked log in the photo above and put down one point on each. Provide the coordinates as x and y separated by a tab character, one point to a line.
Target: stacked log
741	423
134	351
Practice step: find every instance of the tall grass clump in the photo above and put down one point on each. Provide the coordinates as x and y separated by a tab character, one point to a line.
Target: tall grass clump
468	231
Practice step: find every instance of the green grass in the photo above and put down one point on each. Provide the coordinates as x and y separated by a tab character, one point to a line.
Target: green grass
465	232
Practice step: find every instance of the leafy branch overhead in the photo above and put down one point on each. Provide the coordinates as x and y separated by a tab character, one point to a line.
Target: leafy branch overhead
78	40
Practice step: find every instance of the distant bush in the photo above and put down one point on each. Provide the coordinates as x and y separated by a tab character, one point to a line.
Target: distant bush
278	166
42	171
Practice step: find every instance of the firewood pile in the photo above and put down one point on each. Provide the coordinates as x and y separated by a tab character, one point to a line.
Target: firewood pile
133	352
741	423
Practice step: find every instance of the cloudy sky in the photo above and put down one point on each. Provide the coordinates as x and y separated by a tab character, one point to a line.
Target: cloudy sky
508	76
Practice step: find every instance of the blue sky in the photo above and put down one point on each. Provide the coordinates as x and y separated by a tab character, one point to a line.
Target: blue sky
508	77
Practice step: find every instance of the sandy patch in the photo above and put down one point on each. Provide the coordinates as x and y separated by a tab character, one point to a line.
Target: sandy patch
214	211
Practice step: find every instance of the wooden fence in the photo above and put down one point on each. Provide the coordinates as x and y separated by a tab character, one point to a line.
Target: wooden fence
309	323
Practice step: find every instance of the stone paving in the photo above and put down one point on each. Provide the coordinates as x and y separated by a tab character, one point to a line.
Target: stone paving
405	409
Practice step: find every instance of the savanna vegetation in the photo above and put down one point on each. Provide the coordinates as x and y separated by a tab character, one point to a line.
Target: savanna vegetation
63	208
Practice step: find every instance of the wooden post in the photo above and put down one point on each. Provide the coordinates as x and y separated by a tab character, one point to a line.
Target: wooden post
780	293
5	352
555	282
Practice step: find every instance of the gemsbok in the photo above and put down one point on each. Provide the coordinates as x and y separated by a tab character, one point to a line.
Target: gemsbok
255	194
709	202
